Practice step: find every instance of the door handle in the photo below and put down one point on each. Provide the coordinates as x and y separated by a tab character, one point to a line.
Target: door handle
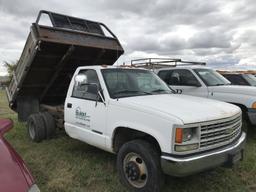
69	105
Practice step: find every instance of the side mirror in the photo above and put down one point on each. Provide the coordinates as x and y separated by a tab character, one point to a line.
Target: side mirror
81	79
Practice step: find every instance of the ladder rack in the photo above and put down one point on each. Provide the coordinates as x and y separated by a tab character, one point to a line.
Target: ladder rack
157	63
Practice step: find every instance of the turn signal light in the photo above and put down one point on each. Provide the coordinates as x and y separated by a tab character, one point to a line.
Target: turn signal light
254	105
178	135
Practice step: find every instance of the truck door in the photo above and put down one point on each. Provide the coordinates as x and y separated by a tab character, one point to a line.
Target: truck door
184	82
85	113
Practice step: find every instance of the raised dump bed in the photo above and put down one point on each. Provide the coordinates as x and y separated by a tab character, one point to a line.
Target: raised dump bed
52	54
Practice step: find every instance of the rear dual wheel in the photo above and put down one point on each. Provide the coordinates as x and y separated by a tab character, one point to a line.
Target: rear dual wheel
40	126
36	127
49	123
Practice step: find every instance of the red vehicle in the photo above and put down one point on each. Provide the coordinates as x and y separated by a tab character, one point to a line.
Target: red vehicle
14	174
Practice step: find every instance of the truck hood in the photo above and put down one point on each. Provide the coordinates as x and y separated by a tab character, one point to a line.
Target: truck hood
186	108
235	89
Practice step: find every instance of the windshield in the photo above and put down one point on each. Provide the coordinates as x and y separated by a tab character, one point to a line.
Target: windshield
133	82
211	77
251	79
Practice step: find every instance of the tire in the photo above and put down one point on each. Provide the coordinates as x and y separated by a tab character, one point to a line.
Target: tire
49	123
246	121
36	127
138	165
246	125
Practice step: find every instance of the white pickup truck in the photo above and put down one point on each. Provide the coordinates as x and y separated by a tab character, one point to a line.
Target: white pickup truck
133	113
205	82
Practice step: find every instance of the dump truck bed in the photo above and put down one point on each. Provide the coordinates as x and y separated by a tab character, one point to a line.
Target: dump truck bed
52	54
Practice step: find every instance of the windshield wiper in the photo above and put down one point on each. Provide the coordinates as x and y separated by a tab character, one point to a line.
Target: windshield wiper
158	90
131	91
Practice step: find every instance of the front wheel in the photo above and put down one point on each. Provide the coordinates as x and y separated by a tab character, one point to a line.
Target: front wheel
138	165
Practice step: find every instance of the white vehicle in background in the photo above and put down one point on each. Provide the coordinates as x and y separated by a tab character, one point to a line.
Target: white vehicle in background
193	78
237	78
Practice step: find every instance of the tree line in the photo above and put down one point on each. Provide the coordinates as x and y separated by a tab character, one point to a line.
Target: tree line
10	67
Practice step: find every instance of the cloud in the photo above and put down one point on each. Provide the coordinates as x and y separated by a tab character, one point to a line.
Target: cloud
220	32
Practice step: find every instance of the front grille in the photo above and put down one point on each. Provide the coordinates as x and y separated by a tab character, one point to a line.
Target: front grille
219	133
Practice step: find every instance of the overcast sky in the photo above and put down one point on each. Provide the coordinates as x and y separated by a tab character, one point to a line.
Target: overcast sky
222	33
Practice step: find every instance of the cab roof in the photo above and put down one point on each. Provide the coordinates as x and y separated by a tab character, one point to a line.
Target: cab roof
109	67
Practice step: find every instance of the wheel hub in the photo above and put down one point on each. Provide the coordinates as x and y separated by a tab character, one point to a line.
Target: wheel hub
132	170
135	170
31	130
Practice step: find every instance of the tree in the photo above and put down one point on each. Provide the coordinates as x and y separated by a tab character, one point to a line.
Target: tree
11	67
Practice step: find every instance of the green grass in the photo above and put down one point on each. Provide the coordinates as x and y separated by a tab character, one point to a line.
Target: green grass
63	164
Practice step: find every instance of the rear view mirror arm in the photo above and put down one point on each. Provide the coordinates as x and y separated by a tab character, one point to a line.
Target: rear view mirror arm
101	96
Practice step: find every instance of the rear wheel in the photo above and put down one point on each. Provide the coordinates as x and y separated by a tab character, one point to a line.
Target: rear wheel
138	164
36	127
49	123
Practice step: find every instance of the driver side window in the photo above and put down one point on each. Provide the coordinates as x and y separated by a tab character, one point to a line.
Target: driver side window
182	77
85	90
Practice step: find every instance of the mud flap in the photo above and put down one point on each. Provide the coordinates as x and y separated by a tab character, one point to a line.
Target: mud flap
234	158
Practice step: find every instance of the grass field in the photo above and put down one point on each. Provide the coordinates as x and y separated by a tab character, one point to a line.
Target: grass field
63	164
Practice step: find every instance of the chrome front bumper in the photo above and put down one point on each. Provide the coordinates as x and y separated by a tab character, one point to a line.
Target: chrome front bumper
183	166
252	116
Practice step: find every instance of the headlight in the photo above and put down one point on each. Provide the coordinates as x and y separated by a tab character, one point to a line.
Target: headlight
34	188
254	105
184	134
186	139
187	135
